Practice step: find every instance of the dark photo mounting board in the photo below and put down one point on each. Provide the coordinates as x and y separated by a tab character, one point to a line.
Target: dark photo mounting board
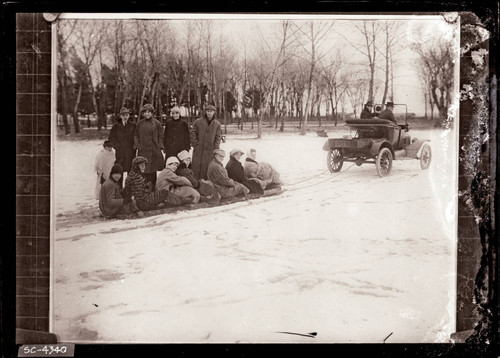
476	202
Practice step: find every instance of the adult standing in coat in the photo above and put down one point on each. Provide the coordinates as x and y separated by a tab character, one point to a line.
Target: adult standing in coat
206	135
148	140
176	136
121	137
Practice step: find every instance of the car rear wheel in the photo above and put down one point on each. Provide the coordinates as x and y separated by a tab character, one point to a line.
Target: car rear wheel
334	160
384	162
425	157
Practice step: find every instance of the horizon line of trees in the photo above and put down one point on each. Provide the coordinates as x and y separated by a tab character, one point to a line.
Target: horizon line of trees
293	72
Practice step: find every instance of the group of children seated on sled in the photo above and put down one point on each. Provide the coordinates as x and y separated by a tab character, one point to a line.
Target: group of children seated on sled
176	185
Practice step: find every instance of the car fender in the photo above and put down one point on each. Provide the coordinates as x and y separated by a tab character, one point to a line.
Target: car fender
379	144
415	149
326	146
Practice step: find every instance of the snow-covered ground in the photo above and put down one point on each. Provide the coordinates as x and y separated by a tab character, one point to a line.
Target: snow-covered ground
351	256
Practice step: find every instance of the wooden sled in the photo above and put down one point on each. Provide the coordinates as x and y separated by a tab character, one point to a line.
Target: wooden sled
189	207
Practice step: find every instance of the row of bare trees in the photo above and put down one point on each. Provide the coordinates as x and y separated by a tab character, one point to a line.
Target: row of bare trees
288	69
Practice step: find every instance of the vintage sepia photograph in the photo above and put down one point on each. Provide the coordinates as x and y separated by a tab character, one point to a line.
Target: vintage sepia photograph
254	178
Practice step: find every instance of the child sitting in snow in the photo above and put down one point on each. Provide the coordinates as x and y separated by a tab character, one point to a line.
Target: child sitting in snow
111	199
103	163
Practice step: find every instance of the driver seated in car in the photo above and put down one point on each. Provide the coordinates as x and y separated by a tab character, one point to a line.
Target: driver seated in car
387	112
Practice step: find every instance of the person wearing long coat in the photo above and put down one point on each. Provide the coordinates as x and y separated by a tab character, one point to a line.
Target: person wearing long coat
121	137
236	172
111	200
148	140
176	136
217	174
179	185
206	136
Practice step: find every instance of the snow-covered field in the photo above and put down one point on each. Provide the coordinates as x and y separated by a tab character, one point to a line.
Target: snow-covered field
351	256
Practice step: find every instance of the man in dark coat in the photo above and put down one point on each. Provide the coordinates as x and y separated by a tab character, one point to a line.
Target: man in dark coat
387	112
121	137
206	135
366	113
176	136
236	172
148	140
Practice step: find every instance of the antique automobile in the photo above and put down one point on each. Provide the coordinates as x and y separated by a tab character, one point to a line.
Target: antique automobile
378	141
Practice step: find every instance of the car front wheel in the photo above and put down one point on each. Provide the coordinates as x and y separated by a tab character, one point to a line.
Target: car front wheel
425	157
384	162
334	160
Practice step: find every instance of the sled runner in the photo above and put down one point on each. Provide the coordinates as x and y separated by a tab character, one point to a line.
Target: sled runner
174	209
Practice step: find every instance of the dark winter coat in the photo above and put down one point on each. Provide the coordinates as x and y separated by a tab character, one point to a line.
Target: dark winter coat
366	114
184	171
205	138
387	114
226	186
148	140
122	139
236	172
110	198
176	137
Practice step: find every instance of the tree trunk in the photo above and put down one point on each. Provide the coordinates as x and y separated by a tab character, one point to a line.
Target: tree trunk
64	110
76	121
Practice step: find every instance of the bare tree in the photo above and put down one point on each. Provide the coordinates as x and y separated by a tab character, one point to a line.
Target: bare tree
313	37
370	30
90	35
437	66
64	34
276	58
334	86
392	36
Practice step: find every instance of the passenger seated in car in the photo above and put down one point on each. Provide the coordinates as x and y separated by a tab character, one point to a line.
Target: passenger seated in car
387	112
366	113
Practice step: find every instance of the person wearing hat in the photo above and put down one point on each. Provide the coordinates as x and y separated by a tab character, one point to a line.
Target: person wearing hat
176	137
146	196
102	165
121	137
206	135
204	187
236	172
217	174
179	185
387	112
366	113
111	200
148	140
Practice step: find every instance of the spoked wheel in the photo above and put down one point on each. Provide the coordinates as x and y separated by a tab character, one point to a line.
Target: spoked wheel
425	157
384	162
334	160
